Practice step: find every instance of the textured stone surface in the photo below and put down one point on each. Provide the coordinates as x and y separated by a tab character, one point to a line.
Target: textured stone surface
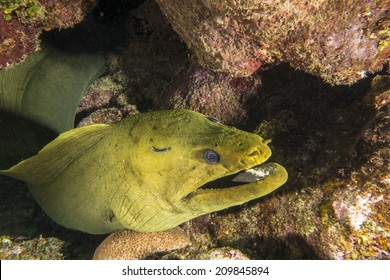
216	94
21	23
338	40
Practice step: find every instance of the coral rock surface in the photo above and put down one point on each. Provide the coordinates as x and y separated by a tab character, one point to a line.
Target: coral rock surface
339	41
21	23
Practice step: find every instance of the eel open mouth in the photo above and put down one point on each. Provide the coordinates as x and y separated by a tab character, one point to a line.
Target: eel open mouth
251	175
236	189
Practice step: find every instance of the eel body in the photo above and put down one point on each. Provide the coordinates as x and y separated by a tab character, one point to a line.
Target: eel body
39	98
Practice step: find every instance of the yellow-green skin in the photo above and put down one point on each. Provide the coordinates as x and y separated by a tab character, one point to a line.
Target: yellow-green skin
143	173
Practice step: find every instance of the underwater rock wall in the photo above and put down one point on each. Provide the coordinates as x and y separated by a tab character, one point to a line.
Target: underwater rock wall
333	140
340	41
21	23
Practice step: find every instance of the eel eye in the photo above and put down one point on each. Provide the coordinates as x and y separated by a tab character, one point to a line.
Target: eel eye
211	156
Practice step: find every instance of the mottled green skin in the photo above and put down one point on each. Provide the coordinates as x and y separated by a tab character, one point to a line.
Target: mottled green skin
102	178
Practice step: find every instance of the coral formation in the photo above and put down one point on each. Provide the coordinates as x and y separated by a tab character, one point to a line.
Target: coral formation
131	245
341	41
21	23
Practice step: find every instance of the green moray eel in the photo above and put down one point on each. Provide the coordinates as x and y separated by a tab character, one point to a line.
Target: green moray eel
102	178
148	172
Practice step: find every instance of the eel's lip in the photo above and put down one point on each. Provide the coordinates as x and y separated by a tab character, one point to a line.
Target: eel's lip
250	175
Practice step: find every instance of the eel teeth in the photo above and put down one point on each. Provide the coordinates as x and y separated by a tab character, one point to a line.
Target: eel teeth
254	174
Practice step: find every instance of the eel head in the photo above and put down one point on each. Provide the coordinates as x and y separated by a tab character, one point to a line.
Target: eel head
188	165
